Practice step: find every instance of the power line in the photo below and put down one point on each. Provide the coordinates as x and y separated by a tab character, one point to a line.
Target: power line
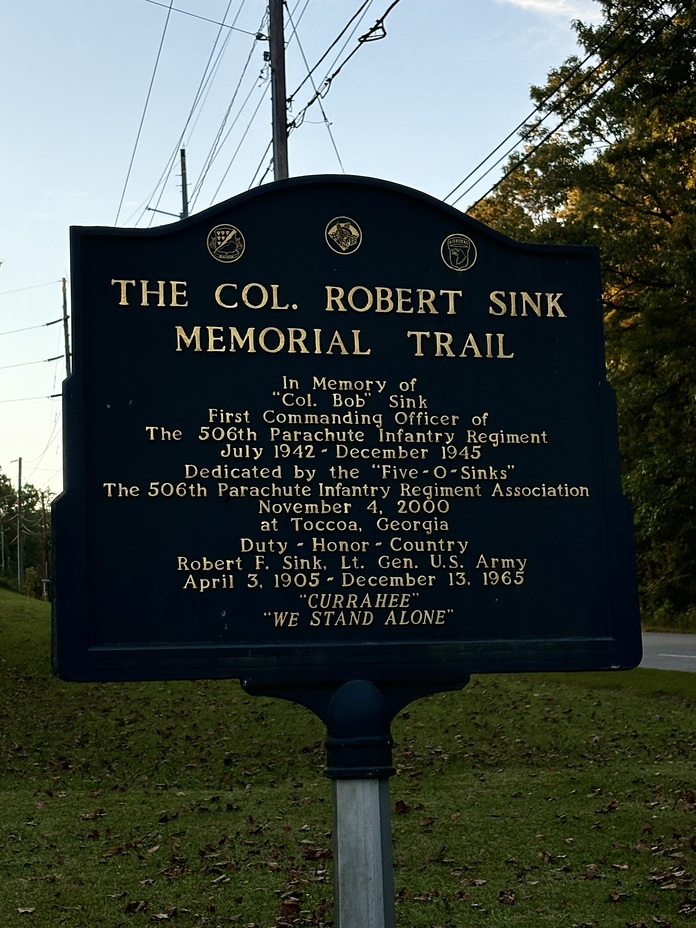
209	74
49	283
517	128
378	31
142	118
335	42
321	107
29	328
533	149
538	109
27	399
512	148
7	367
218	144
356	18
205	19
53	437
244	135
259	166
201	94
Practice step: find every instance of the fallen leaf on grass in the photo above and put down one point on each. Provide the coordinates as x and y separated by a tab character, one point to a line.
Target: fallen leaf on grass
592	873
91	816
506	897
136	906
28	910
290	906
311	851
610	807
619	897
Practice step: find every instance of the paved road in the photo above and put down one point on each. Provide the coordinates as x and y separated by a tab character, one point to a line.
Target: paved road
668	651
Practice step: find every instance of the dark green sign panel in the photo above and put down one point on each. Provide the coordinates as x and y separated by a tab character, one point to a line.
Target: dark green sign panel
332	429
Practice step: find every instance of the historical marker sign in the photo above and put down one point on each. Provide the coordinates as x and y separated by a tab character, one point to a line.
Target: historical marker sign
331	429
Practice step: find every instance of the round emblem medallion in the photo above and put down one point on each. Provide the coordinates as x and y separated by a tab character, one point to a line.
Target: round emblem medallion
226	243
343	235
458	252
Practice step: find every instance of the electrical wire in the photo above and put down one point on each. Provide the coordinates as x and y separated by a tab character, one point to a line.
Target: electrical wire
526	120
304	10
53	437
538	109
260	164
533	149
236	152
321	107
209	73
362	9
201	94
205	19
7	367
142	118
204	88
29	328
378	31
49	283
219	142
27	399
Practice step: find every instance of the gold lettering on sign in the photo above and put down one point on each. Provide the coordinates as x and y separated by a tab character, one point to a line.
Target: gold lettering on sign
253	296
270	340
443	345
361	299
521	303
167	292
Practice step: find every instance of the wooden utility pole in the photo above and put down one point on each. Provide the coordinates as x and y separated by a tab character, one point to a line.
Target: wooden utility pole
184	186
20	551
278	92
66	331
2	540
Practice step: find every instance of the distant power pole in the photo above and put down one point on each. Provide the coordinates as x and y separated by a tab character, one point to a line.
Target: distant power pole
278	92
46	546
2	540
184	186
20	565
66	331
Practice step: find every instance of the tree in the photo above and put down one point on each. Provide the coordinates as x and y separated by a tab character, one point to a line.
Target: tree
34	528
619	172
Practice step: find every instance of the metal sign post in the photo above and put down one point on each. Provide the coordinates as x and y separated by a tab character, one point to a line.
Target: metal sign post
359	747
363	860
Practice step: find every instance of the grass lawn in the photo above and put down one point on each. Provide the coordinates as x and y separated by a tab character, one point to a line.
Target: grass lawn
553	801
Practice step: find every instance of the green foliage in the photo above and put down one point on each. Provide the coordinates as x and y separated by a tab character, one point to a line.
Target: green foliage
620	173
547	800
35	536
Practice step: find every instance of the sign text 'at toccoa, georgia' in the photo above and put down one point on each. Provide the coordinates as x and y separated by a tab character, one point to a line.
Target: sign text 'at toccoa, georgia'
334	427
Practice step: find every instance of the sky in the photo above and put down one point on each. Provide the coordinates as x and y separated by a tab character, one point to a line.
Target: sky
99	97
